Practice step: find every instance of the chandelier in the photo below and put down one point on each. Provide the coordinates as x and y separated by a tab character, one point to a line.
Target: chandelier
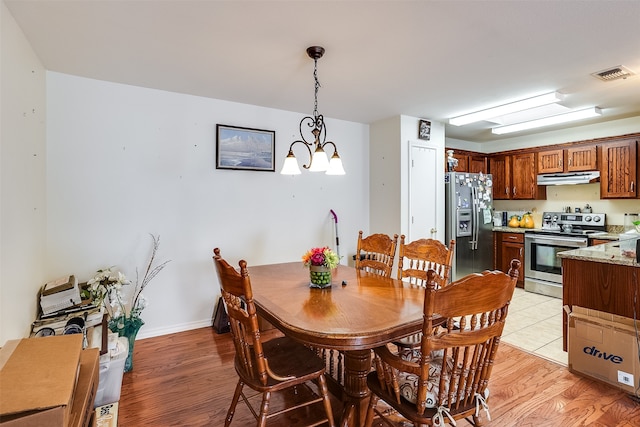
315	145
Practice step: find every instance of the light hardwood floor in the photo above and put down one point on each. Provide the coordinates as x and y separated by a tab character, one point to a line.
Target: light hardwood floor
187	379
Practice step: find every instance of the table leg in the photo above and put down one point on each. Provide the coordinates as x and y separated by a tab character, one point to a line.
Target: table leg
357	364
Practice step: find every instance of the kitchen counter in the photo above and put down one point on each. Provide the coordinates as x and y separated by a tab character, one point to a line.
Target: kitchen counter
605	236
600	236
608	253
511	229
600	278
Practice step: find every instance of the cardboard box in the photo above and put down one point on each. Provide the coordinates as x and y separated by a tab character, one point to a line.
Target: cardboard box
86	388
106	416
604	346
38	380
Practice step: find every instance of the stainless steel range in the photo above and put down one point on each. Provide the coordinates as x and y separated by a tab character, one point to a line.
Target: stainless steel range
560	232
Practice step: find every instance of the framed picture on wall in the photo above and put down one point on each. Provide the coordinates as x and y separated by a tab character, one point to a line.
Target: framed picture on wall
424	130
242	148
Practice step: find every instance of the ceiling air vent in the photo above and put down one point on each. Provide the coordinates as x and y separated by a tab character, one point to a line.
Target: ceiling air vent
615	73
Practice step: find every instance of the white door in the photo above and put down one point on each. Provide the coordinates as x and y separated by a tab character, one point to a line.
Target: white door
423	193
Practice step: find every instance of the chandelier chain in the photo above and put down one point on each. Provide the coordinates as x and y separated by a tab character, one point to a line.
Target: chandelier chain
317	85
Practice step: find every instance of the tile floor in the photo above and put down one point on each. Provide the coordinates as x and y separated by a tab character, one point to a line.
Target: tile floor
534	324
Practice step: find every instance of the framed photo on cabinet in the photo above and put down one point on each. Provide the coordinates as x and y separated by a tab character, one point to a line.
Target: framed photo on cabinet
242	148
424	130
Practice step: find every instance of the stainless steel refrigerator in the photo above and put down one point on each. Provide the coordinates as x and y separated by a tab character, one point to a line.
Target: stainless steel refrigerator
469	221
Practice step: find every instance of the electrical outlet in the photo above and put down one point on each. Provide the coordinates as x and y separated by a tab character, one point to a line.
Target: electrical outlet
625	378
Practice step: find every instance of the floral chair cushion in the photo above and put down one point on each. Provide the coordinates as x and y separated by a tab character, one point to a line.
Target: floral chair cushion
408	383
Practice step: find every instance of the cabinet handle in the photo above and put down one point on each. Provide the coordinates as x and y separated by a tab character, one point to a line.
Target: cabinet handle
633	186
506	190
570	161
514	190
560	163
521	249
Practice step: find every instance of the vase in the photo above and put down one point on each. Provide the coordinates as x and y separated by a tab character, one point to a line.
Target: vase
320	276
127	327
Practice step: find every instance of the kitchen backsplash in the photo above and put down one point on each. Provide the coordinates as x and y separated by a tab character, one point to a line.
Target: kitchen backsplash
560	196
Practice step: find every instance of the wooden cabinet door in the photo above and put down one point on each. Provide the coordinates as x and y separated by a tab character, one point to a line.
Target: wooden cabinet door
581	159
478	164
524	180
618	173
463	162
511	250
500	169
550	161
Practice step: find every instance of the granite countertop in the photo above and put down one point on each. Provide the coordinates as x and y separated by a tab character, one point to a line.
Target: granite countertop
608	253
601	236
511	229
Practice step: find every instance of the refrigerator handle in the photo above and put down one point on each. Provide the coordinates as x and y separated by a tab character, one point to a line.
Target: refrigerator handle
474	219
477	224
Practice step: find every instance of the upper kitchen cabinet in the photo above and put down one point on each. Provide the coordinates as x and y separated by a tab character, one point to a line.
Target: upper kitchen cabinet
574	159
618	169
581	159
469	161
551	161
524	178
478	163
500	170
515	177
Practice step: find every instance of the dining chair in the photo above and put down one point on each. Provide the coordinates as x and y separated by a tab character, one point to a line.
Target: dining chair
420	256
276	365
375	253
448	380
414	260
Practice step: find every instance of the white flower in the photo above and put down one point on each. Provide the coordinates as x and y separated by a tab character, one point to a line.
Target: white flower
141	304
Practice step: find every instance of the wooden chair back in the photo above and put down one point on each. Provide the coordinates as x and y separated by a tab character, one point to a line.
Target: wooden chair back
375	253
459	352
238	299
420	256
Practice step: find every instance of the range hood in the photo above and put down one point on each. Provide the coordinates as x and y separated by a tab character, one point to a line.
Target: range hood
569	178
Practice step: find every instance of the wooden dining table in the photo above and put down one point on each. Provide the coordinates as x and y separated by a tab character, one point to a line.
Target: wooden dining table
359	312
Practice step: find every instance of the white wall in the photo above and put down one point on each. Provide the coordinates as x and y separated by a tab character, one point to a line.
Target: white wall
22	179
126	161
389	161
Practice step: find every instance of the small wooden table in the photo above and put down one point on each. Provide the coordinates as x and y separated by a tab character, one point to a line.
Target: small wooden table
367	312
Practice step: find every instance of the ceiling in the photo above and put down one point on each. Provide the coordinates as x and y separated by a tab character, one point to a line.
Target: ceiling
429	59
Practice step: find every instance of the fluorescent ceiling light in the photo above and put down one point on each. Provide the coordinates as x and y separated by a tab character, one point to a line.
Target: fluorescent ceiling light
525	104
547	121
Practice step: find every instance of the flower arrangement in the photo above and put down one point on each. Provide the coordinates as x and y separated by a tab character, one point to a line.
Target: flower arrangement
321	256
106	289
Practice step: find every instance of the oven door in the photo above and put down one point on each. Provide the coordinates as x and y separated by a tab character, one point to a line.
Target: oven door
542	264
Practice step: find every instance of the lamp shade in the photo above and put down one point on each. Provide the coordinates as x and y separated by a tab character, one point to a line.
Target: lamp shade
290	166
335	165
319	161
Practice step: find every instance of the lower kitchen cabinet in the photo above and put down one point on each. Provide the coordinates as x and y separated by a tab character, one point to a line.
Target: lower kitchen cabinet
511	245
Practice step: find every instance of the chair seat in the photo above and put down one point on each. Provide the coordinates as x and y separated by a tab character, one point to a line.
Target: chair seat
409	409
412	341
286	357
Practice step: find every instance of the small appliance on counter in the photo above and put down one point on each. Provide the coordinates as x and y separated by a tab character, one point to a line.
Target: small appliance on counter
631	222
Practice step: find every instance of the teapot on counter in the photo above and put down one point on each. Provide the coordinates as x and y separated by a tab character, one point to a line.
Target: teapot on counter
586	209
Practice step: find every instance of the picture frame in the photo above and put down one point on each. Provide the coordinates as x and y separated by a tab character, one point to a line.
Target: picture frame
424	130
241	148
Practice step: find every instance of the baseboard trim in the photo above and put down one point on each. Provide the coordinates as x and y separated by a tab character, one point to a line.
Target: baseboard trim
156	332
